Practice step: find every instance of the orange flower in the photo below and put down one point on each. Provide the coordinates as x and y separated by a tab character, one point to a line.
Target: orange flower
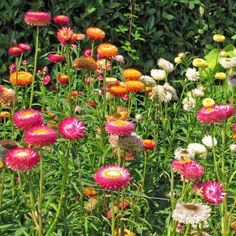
63	79
7	96
148	89
132	74
118	90
21	78
77	37
89	192
149	144
4	114
107	50
87	63
64	35
95	33
134	86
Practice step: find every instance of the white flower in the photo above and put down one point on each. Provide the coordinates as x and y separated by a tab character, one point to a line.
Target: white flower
198	148
170	89
158	74
191	213
188	103
148	81
198	92
233	147
166	65
192	74
208	141
228	62
164	93
183	153
138	117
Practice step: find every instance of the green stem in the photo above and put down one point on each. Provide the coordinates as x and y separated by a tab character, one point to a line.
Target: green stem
144	169
113	215
35	66
40	197
2	186
213	152
62	193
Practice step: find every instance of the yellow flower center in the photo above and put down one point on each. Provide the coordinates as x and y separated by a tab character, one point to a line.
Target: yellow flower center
40	131
208	102
27	114
113	173
120	123
22	154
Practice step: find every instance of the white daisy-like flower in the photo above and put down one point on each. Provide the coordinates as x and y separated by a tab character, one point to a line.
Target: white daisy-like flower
198	148
170	89
166	65
131	143
138	117
183	153
188	103
233	147
148	81
228	62
158	74
164	93
208	141
192	74
198	92
191	213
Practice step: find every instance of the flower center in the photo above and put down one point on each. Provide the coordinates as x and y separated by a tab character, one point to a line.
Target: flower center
113	173
22	154
191	207
120	123
27	114
40	131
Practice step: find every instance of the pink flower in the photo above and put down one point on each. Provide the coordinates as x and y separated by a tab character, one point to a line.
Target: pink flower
213	192
61	19
88	80
215	114
37	18
24	46
72	128
112	177
234	128
119	127
24	119
54	58
40	136
46	79
197	187
22	159
119	58
88	52
15	51
12	67
25	62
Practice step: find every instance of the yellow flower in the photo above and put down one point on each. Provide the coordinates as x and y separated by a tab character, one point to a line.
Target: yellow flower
199	62
220	75
178	60
181	55
1	164
208	102
219	38
223	53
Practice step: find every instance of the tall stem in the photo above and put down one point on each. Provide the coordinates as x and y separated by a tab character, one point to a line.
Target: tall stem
213	152
144	169
35	65
2	186
113	215
40	197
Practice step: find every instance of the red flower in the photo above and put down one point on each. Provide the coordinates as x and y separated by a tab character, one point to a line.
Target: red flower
15	51
61	19
56	58
37	18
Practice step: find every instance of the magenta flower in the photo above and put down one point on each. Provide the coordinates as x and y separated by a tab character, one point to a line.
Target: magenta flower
213	192
37	18
54	58
61	19
119	127
40	136
22	159
24	119
112	177
24	46
46	79
72	128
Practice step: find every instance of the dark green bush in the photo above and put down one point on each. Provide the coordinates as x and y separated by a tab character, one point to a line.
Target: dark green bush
143	30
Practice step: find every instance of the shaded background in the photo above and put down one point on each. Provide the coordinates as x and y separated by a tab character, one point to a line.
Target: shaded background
144	30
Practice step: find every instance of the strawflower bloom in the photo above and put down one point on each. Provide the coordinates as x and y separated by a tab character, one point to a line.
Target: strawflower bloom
64	35
54	58
37	18
77	37
130	143
148	81
149	144
208	141
22	159
199	62
219	38
87	52
7	96
191	213
61	19
112	177
15	51
72	128
107	50
213	192
24	119
95	33
220	76
183	153
119	58
63	79
87	63
46	79
24	46
228	63
192	74
119	127
165	65
89	192
198	149
40	136
21	78
132	74
158	74
118	90
134	86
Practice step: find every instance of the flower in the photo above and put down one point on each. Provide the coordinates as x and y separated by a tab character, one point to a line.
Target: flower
165	65
219	38
90	204
178	60
46	79
24	46
199	62
72	128
208	141
64	35
15	51
119	58
148	81
21	78
198	148
126	232
112	177
149	144
24	119
213	192
220	76
111	80
191	213
228	62
233	147
138	117
40	136
87	63
22	159
134	86
132	74
183	153
7	96
4	114
107	50
56	58
188	103
61	19
95	33
130	143
198	92
77	37
63	79
87	52
119	127
37	18
192	74
89	192
118	90
158	74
